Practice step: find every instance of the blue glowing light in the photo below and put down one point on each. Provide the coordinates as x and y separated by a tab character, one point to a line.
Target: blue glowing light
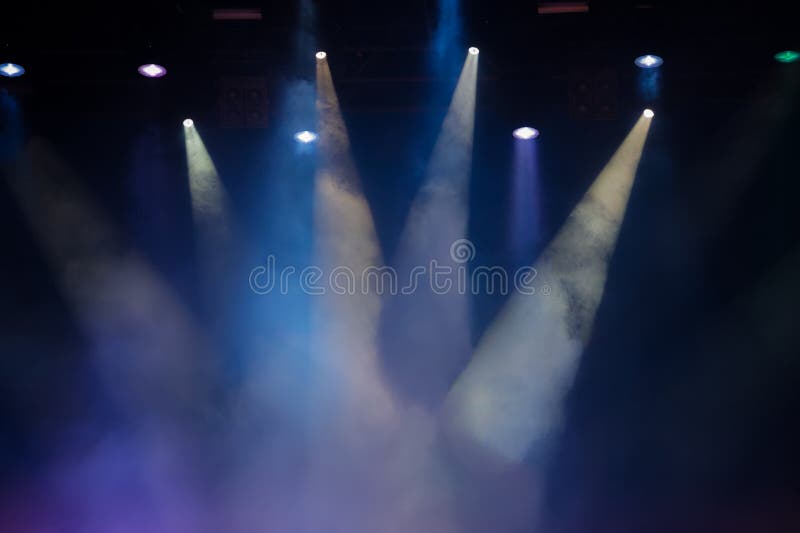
305	137
11	70
648	61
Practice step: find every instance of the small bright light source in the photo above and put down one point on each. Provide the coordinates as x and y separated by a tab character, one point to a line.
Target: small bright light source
474	51
321	55
305	137
648	113
648	61
11	70
188	123
787	56
526	133
151	70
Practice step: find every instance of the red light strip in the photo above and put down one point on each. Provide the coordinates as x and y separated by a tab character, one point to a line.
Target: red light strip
551	8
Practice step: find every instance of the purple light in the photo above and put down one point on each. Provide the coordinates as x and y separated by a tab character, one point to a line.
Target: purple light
525	206
151	70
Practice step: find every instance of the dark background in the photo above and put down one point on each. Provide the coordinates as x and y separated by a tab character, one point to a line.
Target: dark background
684	414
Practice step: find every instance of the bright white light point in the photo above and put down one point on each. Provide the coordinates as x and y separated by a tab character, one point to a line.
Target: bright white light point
526	133
188	123
305	137
648	61
648	113
152	70
10	69
321	55
474	51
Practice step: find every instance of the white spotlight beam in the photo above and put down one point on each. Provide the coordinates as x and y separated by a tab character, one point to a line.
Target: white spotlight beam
153	361
156	361
351	409
436	339
213	218
439	213
345	325
509	399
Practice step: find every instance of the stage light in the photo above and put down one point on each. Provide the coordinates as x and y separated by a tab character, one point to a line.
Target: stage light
321	55
474	51
526	133
11	70
344	360
438	218
648	113
525	212
648	61
510	398
211	210
305	137
787	56
120	302
151	70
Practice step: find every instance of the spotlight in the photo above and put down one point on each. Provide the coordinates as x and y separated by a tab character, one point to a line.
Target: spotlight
151	70
648	61
787	56
321	55
526	133
188	123
305	137
11	70
474	51
648	113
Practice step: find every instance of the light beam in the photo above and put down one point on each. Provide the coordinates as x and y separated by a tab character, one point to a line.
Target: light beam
211	209
525	215
155	364
345	325
425	355
510	397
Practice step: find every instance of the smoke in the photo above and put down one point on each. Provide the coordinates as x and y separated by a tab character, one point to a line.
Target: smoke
510	398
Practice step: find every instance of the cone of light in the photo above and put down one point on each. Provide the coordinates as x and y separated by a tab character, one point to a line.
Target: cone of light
211	208
351	407
525	204
154	363
425	355
345	325
510	397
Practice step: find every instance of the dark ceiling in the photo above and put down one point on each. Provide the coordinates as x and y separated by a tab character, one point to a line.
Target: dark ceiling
384	40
